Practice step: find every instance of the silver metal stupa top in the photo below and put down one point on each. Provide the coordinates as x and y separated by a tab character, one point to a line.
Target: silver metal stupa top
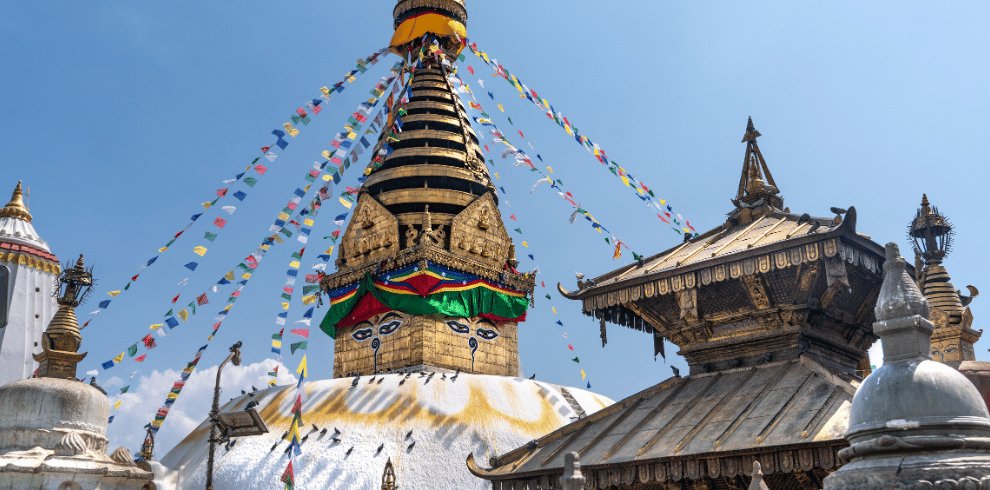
914	421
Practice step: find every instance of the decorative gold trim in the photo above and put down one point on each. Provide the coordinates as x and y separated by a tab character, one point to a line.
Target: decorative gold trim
32	262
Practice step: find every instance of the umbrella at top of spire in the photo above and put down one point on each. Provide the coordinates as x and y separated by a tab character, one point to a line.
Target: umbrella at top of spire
446	19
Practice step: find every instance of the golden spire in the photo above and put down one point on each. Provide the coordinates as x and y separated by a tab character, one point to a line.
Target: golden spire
16	208
758	194
62	338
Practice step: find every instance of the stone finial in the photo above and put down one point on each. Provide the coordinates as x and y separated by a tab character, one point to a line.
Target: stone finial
572	479
901	312
757	482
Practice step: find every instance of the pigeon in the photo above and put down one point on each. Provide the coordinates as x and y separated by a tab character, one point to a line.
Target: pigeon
379	450
408	434
251	404
838	211
381	379
805	218
284	435
409	447
287	449
323	432
335	440
305	437
336	432
402	381
533	376
677	372
422	373
355	382
253	388
443	376
348	453
372	380
233	443
315	428
458	373
251	395
243	392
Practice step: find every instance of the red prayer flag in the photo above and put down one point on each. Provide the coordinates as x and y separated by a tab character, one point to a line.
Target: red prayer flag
264	149
222	192
261	169
202	299
220	222
140	358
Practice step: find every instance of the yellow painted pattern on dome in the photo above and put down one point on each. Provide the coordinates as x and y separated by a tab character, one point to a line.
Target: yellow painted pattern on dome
408	407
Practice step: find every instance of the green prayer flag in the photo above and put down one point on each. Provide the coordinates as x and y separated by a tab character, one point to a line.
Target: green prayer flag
250	181
298	345
577	360
132	350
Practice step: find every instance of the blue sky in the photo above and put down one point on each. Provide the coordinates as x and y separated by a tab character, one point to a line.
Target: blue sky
123	116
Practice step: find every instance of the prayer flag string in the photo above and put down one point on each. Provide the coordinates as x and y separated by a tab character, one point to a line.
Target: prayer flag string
665	212
522	159
279	229
300	116
347	154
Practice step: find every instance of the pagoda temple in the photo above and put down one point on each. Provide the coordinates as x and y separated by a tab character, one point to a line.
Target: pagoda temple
773	313
424	310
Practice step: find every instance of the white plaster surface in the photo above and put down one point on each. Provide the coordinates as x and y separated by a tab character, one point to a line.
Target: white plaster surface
484	415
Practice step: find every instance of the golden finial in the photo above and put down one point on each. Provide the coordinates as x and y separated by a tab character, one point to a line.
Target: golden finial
388	477
61	340
16	208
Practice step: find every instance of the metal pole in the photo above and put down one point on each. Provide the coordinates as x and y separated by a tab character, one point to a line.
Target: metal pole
235	355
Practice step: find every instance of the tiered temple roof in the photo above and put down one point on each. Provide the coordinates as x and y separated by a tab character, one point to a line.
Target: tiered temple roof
773	312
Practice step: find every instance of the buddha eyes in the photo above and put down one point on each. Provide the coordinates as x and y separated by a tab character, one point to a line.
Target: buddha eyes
389	327
484	333
363	334
459	327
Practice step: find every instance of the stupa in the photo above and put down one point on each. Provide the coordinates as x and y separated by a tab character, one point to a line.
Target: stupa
53	427
28	271
424	310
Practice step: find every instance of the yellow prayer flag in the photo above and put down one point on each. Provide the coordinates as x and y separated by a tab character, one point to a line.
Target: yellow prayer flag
352	135
308	222
119	358
291	130
294	264
285	305
501	108
156	423
327	178
207	205
301	370
228	307
183	314
116	405
229	276
172	396
326	154
525	244
497	176
325	91
583	375
344	202
155	326
114	294
283	216
277	343
329	250
309	299
199	250
553	309
162	250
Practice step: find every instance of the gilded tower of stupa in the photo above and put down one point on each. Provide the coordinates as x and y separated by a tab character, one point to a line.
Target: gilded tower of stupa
426	269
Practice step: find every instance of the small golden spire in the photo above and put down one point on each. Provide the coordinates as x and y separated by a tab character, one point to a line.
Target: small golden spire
16	208
388	477
62	339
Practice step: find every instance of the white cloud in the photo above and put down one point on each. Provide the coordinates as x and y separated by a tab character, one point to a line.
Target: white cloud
147	393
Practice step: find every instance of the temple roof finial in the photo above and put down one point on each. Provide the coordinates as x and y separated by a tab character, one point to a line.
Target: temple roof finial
16	207
758	194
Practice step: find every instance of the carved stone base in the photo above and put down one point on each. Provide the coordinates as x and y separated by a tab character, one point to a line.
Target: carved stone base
945	470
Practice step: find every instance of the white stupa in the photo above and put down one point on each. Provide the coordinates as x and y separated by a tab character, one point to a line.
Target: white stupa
28	271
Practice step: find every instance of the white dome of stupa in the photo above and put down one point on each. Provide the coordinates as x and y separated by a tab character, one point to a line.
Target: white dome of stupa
427	425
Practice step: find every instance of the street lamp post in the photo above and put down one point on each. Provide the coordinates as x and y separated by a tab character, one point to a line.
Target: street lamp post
235	356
